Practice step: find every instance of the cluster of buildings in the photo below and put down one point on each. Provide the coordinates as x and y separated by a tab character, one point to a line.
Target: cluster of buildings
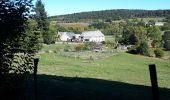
87	36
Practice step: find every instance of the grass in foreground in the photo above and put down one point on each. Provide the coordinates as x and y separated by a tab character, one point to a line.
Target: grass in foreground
123	67
121	77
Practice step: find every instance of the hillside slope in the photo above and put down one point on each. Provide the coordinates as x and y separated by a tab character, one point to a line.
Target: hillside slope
111	14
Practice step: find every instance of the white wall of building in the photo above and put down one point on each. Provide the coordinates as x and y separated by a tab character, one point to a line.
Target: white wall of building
93	36
97	39
64	37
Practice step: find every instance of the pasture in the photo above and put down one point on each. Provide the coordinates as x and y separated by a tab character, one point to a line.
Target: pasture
122	67
117	77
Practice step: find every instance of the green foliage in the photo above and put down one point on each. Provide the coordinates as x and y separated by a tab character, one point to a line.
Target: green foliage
108	21
43	23
75	30
114	29
166	40
51	36
15	60
156	44
109	44
14	15
143	48
155	35
159	53
89	45
166	27
32	40
133	34
99	25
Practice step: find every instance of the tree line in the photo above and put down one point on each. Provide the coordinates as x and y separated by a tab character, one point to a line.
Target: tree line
111	14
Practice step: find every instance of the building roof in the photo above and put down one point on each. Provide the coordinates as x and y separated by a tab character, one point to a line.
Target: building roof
69	34
92	33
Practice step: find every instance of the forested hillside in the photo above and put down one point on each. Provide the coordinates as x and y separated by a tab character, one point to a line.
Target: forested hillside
110	15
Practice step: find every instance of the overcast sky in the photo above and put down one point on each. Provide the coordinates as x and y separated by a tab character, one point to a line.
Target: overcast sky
60	7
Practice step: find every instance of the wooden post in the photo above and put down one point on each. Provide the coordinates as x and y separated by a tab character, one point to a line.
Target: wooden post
36	60
153	77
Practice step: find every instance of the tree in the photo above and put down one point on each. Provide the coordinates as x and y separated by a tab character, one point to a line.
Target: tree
100	25
166	40
155	35
52	34
14	59
33	37
14	15
143	48
43	24
133	34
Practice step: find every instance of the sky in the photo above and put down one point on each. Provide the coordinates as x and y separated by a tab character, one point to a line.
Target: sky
61	7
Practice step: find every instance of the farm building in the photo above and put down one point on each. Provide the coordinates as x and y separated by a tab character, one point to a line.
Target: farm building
159	24
92	36
66	36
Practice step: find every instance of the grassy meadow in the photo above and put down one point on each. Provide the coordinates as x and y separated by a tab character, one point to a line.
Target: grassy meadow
117	77
122	67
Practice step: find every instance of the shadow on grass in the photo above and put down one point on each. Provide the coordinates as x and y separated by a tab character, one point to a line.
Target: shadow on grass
74	88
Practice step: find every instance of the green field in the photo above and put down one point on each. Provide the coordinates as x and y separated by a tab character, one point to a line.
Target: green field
123	67
119	77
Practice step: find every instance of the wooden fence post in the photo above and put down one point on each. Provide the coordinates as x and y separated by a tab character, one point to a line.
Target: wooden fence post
154	83
36	60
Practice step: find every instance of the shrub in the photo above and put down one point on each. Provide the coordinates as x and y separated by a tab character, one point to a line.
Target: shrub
89	45
109	44
79	47
159	53
132	51
143	48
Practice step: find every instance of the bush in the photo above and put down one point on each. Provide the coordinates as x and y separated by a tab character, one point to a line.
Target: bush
89	45
79	47
132	51
109	44
143	48
159	53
